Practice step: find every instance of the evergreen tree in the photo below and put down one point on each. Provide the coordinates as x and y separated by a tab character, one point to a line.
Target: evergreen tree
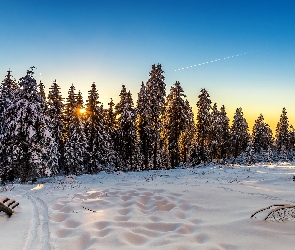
100	153
69	108
127	144
28	150
283	133
42	90
111	123
110	118
75	142
54	111
175	122
79	101
262	135
292	137
8	88
203	123
239	134
223	144
187	137
215	133
144	127
219	135
156	92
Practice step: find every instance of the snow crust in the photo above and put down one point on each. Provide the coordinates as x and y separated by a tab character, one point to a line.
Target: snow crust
196	208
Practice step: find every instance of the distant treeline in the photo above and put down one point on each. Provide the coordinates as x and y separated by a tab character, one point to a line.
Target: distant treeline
43	136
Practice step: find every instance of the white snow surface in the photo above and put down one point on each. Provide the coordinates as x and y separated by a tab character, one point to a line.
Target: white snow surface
195	208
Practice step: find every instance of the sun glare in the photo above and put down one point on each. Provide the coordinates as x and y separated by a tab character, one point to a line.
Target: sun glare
82	111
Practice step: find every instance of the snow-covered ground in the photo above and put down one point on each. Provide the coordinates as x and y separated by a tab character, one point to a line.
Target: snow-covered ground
198	208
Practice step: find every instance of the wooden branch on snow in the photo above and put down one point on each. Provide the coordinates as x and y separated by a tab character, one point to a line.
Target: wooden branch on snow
7	205
279	213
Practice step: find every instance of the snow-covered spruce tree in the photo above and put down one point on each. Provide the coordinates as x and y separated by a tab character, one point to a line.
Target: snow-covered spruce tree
110	118
127	143
283	140
8	88
239	134
29	149
175	122
55	113
223	144
156	92
144	127
75	142
188	136
112	125
248	156
41	88
219	135
100	154
215	133
204	124
261	135
79	101
292	138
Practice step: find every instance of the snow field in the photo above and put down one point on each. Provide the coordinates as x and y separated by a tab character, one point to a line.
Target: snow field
199	208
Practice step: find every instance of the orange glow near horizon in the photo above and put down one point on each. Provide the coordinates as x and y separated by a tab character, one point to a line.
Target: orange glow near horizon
82	111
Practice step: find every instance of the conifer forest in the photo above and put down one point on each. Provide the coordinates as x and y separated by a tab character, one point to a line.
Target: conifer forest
48	135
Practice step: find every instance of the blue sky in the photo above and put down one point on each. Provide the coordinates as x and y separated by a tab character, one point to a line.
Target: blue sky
115	42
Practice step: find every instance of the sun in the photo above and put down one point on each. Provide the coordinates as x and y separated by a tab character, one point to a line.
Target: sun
82	111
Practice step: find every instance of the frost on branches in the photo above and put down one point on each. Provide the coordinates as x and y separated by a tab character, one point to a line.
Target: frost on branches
27	148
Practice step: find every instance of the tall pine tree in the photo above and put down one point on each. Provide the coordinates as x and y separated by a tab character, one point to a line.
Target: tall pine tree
239	134
144	127
100	153
283	133
261	135
75	142
54	111
188	136
127	145
204	124
224	146
28	150
175	122
8	88
156	92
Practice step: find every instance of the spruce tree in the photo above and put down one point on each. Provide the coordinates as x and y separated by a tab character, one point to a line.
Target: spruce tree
215	133
69	108
28	150
8	88
127	144
261	135
239	134
100	154
203	123
41	88
175	122
54	111
292	137
283	133
219	135
188	136
75	142
110	118
223	144
144	127
156	92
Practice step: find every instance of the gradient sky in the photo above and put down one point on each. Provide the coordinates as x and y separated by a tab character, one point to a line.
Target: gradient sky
115	42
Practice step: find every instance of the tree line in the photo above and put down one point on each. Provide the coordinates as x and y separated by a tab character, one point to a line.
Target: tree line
46	135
